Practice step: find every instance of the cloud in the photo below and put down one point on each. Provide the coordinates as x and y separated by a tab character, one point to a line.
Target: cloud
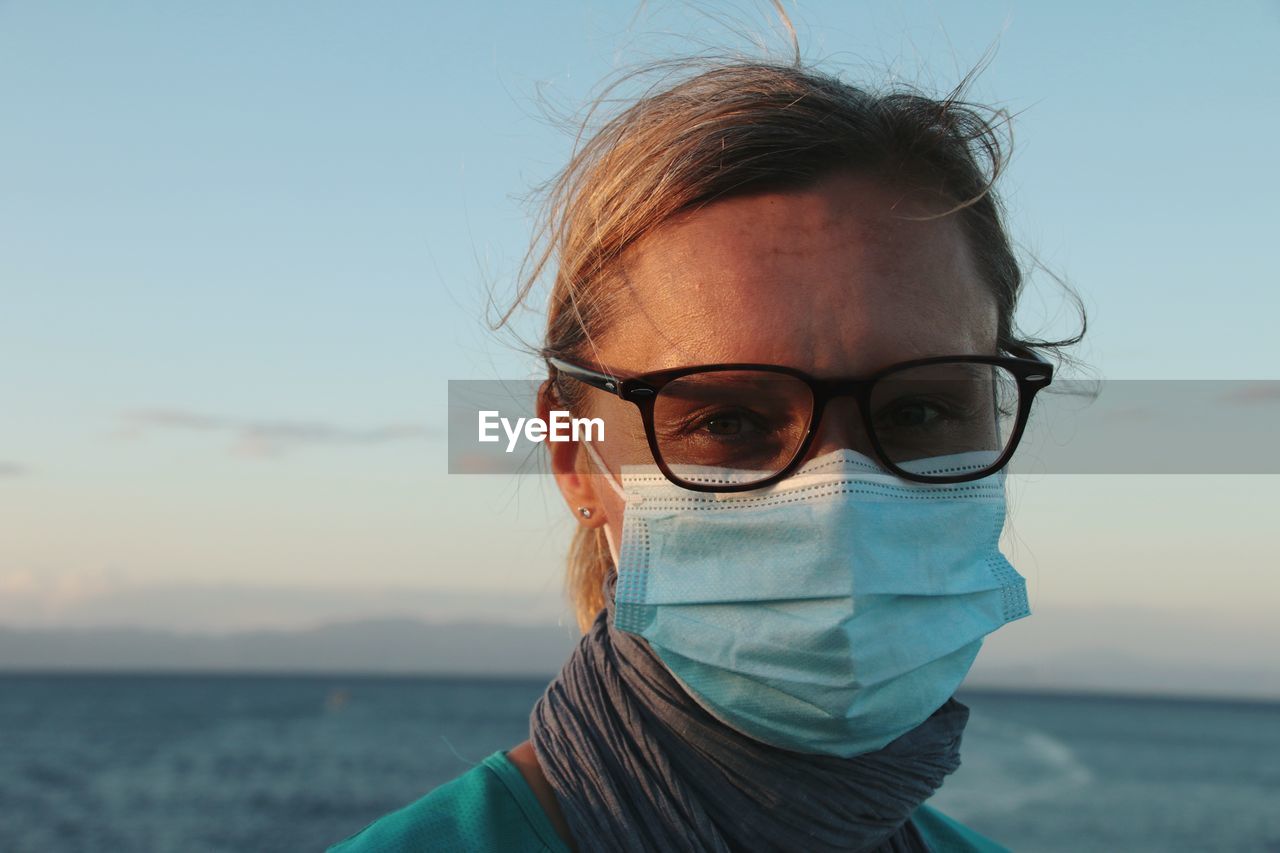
112	597
263	438
12	469
1253	392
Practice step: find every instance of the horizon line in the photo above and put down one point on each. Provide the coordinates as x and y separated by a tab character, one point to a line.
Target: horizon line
6	672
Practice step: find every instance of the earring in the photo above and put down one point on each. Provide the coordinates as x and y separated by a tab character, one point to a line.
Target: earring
584	511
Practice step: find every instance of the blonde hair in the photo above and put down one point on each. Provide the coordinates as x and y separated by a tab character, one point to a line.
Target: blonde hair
732	129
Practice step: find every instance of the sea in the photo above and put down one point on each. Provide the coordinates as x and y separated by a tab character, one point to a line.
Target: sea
195	763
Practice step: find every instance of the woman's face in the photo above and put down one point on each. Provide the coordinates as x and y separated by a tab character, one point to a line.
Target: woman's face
836	280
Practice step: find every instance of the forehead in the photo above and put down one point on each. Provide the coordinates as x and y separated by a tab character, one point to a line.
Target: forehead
841	278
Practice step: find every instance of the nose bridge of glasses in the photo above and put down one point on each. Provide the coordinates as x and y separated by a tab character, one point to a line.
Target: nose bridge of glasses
838	422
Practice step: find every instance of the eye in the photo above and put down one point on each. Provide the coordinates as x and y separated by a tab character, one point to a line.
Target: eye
913	413
727	423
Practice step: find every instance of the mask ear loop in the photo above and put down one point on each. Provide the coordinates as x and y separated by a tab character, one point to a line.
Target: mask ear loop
604	470
617	488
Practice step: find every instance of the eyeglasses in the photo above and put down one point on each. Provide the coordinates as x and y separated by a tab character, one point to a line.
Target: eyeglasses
734	427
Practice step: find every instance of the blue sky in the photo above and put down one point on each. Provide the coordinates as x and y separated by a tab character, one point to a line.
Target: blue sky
243	246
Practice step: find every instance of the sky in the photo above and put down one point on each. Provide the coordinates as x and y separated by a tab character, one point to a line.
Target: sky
244	247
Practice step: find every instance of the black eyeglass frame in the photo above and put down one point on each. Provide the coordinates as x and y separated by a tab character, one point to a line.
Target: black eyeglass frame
1031	371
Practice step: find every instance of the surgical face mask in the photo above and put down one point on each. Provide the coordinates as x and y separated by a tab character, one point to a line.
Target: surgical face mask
830	613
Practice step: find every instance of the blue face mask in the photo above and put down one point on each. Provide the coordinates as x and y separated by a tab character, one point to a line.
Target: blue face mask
829	613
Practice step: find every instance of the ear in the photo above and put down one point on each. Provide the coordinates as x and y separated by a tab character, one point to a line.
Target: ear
576	485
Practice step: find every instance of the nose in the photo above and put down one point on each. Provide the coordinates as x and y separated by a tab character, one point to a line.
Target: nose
840	427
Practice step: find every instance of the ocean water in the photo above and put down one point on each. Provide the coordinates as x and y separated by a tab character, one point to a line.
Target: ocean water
267	763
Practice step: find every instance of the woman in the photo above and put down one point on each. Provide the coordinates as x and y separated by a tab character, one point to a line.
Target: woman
791	303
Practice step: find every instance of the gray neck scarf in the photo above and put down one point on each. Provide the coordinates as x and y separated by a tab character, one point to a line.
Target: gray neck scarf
638	765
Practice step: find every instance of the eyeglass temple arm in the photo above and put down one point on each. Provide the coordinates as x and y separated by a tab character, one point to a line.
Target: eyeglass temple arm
594	378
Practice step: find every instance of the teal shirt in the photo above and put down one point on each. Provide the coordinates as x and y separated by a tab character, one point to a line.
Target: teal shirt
491	807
